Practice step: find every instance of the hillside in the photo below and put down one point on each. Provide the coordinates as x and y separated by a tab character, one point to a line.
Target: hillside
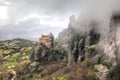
13	52
15	63
17	41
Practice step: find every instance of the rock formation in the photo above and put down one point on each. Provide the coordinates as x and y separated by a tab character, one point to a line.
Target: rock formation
45	52
82	46
47	40
79	46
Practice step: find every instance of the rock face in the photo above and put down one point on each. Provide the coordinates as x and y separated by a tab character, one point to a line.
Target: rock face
114	36
64	38
82	45
79	46
85	46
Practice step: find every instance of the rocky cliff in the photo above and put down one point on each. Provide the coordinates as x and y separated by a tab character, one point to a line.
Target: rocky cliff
77	54
87	45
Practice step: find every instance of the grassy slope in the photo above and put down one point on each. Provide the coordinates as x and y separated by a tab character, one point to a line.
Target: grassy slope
16	58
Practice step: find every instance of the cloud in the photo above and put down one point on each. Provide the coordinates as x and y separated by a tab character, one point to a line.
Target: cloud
51	13
28	29
95	11
17	9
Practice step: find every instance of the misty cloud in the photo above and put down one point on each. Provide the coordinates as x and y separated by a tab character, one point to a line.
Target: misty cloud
56	11
21	8
95	13
18	9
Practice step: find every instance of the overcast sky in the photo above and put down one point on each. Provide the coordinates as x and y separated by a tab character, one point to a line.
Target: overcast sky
30	18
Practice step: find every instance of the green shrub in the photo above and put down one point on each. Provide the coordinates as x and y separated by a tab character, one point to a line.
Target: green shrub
5	43
62	78
7	52
9	65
